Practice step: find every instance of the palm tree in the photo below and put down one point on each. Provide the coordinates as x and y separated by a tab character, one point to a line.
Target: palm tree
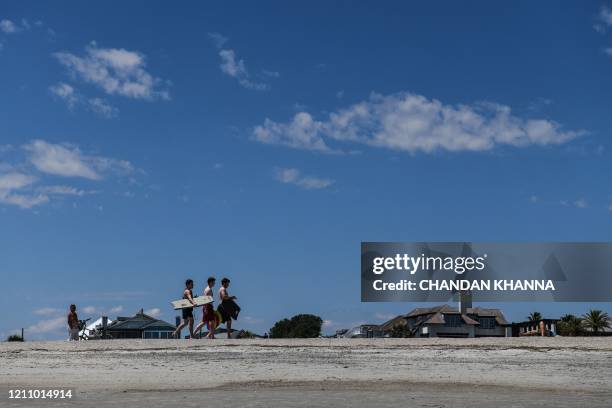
596	320
534	317
570	325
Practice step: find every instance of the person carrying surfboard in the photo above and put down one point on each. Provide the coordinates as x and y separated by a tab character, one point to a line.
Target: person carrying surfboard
208	314
187	312
228	307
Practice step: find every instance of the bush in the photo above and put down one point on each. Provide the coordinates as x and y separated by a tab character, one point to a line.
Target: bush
570	325
401	331
246	334
301	326
14	337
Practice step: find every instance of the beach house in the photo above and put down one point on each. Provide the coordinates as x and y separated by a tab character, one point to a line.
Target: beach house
449	321
140	326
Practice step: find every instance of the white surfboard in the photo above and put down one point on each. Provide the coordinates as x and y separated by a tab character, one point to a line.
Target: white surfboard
199	301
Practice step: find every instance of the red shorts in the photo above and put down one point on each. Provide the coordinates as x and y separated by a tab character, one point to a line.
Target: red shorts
209	313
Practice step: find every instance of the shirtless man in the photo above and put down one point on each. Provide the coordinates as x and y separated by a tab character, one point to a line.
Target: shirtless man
223	298
187	312
208	314
73	324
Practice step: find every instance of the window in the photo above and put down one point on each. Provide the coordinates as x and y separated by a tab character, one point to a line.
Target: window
487	322
453	320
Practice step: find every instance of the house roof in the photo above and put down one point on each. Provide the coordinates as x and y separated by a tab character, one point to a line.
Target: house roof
429	310
140	321
481	312
437	318
435	315
469	320
388	325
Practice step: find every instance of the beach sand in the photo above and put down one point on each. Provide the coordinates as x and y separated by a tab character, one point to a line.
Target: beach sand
508	372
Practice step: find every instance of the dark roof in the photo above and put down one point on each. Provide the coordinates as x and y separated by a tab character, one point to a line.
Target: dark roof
429	310
435	315
396	321
469	320
140	321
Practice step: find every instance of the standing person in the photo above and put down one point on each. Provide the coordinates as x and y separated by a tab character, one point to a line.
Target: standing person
228	308
187	312
208	314
73	324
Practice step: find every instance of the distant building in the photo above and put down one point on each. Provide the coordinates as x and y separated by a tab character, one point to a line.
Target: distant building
360	332
140	326
542	327
448	321
93	328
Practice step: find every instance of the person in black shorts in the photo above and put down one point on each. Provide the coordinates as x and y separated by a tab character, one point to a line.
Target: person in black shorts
228	308
187	312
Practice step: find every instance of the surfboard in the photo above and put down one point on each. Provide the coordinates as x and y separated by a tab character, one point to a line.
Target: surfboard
199	301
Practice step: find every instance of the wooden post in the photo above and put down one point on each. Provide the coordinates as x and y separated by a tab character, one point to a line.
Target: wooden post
104	326
22	338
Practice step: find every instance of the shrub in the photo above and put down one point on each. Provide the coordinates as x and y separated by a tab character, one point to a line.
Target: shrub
14	337
570	325
301	326
401	331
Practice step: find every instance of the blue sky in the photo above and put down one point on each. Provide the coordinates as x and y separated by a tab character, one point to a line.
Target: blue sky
145	143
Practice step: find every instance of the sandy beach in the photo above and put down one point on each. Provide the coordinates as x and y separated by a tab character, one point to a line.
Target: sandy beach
318	372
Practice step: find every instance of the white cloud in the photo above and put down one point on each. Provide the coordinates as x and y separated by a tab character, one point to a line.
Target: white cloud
230	66
11	186
64	190
46	311
303	132
15	181
271	74
89	309
154	312
608	51
605	15
610	207
9	27
69	161
218	39
327	323
71	97
21	185
116	71
66	93
293	176
581	203
411	122
48	326
60	160
102	107
117	309
236	68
